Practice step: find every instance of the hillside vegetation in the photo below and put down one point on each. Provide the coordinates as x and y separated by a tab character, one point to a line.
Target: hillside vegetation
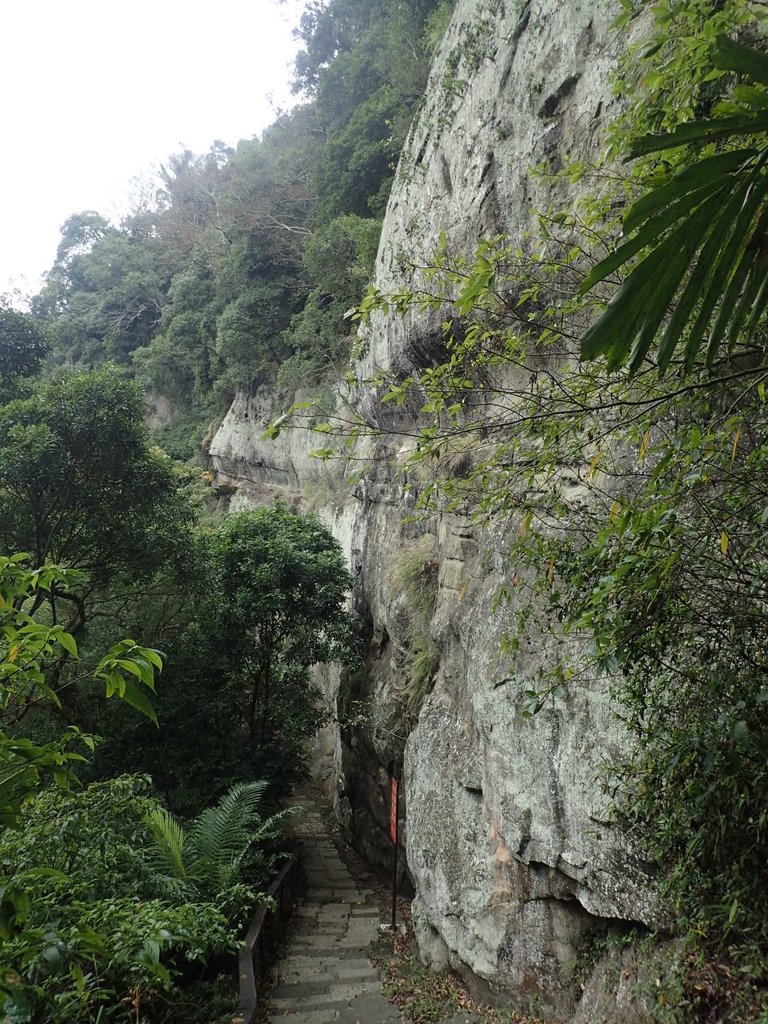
236	267
633	477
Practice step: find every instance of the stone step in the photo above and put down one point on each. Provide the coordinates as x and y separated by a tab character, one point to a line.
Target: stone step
326	975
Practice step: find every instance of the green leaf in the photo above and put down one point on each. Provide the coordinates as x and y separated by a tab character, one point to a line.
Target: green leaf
168	853
153	657
699	131
758	309
647	235
756	277
68	642
136	697
638	306
733	911
139	668
703	273
744	60
704	173
146	671
43	872
737	258
667	288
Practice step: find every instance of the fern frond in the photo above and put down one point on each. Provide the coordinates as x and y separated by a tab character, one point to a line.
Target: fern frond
167	855
221	836
273	827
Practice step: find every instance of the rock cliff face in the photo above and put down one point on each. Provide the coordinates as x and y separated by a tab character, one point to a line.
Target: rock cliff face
511	859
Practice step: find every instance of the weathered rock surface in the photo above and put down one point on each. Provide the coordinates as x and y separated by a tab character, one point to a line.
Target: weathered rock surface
511	858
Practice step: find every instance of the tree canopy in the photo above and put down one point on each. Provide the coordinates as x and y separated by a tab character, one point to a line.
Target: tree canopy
205	285
81	485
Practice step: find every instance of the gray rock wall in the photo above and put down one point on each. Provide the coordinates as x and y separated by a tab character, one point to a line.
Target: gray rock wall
508	850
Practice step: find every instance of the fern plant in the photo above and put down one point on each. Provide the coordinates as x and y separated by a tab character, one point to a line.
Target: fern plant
166	857
225	846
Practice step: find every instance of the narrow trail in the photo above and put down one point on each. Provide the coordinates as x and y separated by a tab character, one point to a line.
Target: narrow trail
325	974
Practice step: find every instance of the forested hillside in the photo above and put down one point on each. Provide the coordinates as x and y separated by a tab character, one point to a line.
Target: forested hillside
238	265
234	269
545	490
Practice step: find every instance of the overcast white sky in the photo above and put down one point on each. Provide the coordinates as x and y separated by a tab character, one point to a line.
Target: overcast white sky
94	92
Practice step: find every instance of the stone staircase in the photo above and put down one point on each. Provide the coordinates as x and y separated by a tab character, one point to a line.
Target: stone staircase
326	974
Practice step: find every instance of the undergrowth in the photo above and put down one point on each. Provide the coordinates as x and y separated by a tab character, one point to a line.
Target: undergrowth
424	996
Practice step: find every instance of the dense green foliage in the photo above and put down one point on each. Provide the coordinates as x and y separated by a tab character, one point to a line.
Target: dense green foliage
80	484
103	292
40	660
282	583
243	261
265	602
236	269
108	930
366	63
34	889
108	904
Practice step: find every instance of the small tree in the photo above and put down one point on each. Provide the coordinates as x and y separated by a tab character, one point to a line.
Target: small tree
280	584
80	486
23	345
266	602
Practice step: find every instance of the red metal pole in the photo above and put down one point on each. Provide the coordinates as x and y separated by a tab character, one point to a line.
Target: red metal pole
393	811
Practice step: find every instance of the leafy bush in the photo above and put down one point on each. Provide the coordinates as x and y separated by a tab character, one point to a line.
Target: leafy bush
114	912
115	959
93	837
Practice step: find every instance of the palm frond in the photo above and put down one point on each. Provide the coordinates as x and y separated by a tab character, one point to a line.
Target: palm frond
704	232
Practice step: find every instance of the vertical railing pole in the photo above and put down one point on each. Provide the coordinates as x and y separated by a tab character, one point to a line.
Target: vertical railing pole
394	825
